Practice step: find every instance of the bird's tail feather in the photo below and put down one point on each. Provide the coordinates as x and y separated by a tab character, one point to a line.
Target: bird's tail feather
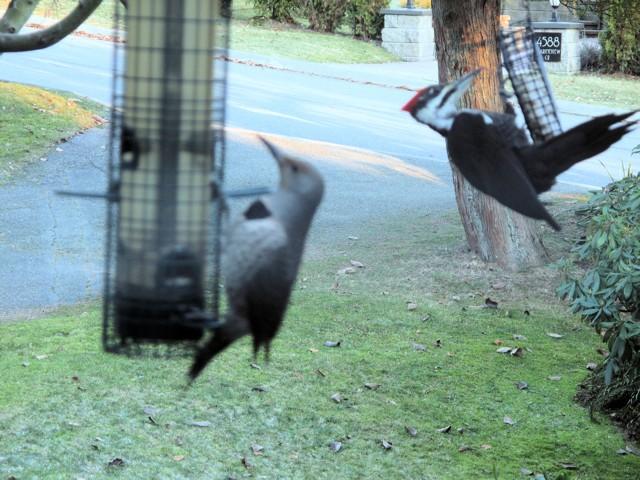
579	143
233	329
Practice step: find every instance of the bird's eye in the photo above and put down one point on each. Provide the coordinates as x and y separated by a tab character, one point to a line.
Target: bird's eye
294	168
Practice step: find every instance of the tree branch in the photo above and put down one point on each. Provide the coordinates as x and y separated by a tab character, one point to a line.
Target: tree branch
49	36
16	15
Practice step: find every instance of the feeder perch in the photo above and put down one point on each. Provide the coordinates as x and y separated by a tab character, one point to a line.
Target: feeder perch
165	173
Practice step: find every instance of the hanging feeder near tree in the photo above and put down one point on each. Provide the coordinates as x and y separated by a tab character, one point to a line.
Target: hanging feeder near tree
165	176
524	64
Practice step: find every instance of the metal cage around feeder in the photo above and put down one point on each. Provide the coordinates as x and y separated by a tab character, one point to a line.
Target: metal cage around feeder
525	67
166	169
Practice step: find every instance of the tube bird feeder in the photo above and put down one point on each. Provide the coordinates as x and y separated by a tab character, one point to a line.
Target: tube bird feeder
165	175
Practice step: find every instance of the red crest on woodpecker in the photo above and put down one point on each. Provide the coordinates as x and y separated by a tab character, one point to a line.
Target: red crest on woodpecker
410	105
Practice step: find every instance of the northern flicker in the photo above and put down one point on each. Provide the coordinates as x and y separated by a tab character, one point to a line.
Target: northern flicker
495	155
261	257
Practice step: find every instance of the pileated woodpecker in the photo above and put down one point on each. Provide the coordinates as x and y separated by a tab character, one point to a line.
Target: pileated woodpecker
495	155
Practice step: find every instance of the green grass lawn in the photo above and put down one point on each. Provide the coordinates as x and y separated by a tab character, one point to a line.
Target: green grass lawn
32	119
270	39
67	409
621	91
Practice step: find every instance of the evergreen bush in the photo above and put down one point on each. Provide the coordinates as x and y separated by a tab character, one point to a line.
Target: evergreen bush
621	38
279	10
365	18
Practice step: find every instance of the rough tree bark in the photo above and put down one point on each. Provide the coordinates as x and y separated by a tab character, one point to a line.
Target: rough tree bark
466	38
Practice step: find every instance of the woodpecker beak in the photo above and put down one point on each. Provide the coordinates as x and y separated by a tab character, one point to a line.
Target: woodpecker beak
277	154
454	91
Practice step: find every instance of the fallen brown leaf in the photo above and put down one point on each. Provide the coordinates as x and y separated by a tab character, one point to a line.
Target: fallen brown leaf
201	424
488	303
411	431
116	462
335	446
554	335
346	271
257	449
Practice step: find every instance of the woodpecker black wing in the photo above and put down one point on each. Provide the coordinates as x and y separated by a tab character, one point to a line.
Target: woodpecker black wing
544	162
483	150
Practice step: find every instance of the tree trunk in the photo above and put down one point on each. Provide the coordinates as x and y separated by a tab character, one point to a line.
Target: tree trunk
466	34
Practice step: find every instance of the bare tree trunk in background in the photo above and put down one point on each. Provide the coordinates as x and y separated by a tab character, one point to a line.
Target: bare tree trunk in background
466	34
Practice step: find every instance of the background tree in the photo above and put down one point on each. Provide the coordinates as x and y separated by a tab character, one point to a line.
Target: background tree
19	11
620	38
466	34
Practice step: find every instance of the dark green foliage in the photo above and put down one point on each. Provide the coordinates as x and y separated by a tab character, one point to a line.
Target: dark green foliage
364	17
608	294
325	15
280	10
621	38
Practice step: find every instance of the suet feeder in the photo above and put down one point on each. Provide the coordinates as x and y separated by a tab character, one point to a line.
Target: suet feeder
525	67
166	171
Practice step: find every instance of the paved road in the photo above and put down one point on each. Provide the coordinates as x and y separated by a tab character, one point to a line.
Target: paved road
377	161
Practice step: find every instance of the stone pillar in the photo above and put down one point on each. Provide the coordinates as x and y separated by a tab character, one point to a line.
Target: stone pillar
566	58
408	33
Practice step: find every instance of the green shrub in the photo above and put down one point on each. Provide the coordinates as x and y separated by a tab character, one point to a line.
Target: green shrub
325	15
365	18
621	38
608	294
280	10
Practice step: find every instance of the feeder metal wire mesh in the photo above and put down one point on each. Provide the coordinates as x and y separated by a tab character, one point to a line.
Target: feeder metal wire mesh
523	61
166	167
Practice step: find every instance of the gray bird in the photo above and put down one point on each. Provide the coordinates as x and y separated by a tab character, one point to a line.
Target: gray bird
261	257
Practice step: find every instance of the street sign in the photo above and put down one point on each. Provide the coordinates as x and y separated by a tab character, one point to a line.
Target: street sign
550	45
